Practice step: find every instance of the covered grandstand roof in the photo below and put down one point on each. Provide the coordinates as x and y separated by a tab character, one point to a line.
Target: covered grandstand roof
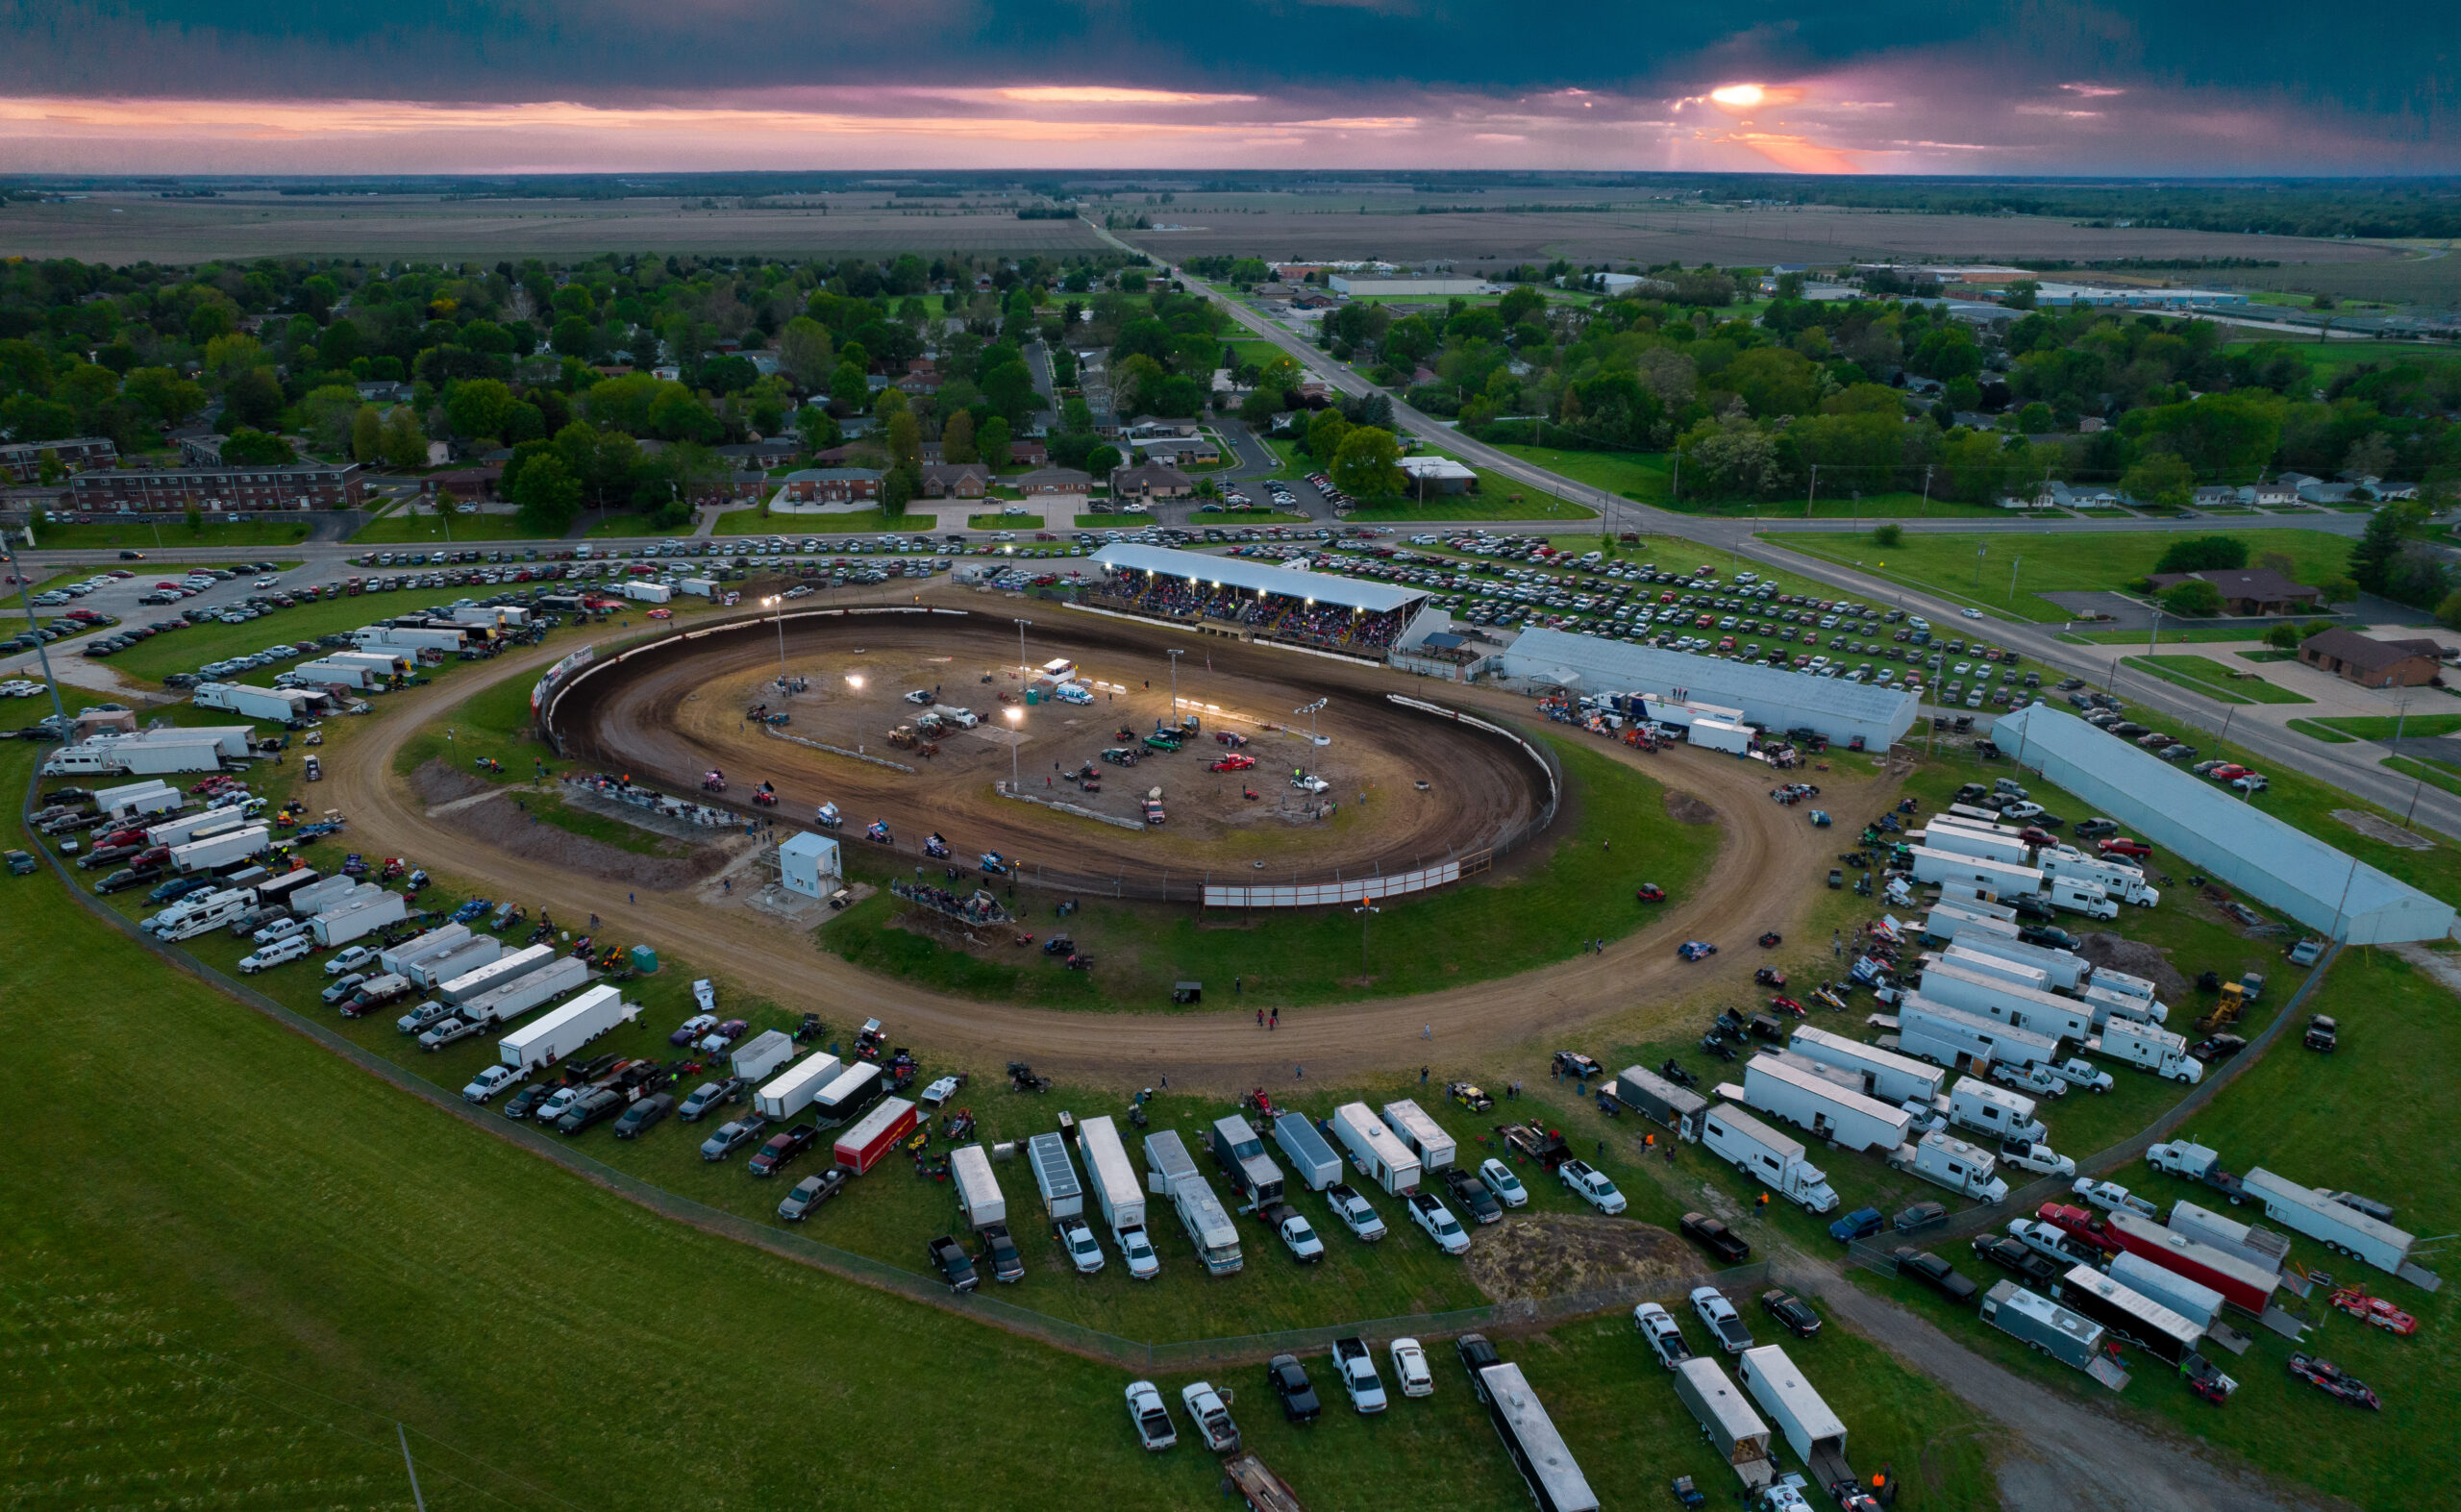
2221	834
1236	572
1769	696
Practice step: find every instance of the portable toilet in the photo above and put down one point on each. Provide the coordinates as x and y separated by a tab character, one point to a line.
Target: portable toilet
644	960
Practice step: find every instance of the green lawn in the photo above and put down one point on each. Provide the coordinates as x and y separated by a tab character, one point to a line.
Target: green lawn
2210	677
2172	635
1648	478
2435	773
1229	517
401	526
187	650
1476	932
2424	726
863	522
2315	730
1948	565
169	533
602	527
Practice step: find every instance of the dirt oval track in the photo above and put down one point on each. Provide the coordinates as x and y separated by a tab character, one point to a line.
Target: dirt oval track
1441	788
1764	877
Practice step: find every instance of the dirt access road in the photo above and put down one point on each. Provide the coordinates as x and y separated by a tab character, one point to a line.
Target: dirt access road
1764	878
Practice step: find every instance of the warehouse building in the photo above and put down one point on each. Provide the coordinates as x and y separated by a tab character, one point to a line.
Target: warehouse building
2222	835
1770	697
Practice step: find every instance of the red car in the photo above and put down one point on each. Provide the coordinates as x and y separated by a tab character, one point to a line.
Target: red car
1234	762
1651	892
2120	845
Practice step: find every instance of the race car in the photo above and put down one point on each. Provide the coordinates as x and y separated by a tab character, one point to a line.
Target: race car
1649	892
1696	949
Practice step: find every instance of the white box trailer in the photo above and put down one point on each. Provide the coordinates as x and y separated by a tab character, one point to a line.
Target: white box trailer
980	1199
2261	1247
423	947
646	592
1767	1156
330	671
1661	1101
1964	920
1956	1039
1828	1110
1117	1192
2340	1229
1064	1195
357	921
2111	980
564	1030
455	961
325	892
2063	971
1413	1126
221	850
133	800
1959	841
2125	882
1995	880
2146	1047
1981	963
380	665
1167	1162
1373	1150
203	824
278	704
515	998
790	1091
2191	1300
1886	1074
1717	735
1726	1419
1954	1164
2104	1003
702	587
759	1058
289	887
511	967
1312	1160
855	1086
2082	897
1994	1111
1816	1434
2071	1338
2017	1007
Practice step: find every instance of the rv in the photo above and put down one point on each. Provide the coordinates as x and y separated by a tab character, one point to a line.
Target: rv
1767	1156
1987	1109
1952	1037
1954	1164
2148	1049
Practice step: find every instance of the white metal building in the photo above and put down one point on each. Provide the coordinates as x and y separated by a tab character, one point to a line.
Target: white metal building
1256	576
2222	835
1769	696
1346	283
807	865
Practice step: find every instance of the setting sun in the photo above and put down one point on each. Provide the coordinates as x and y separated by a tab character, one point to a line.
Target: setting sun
1744	95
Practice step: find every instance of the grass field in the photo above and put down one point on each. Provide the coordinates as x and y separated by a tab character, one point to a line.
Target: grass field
866	522
2210	677
2316	729
2172	635
1462	934
187	650
602	527
168	533
2435	773
1948	565
1648	478
2422	726
403	527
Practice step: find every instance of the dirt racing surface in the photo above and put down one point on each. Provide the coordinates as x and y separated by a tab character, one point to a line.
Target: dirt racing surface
492	817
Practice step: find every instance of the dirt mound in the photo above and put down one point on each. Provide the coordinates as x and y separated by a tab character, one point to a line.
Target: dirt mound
2137	959
513	830
1525	1259
1685	810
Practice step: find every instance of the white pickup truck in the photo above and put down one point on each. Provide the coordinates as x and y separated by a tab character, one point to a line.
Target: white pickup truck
1355	1364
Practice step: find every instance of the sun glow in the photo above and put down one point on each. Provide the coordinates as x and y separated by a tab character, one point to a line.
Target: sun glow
1742	95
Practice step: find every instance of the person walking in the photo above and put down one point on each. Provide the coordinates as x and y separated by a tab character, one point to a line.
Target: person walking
1238	985
1428	1032
633	898
1421	1075
1302	1074
1261	1018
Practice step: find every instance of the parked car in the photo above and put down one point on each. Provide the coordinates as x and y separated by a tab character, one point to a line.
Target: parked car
782	1147
1211	1417
1591	1186
1860	1224
1916	1217
1792	1312
343	989
2096	828
1289	1382
1153	1420
811	1192
524	1103
490	1081
732	1136
1930	1271
644	1115
1410	1368
2120	845
2215	1049
949	1258
1000	1253
1298	1236
1501	1181
1473	1195
1716	1237
279	953
349	959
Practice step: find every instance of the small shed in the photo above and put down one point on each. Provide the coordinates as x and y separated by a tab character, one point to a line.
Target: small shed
807	865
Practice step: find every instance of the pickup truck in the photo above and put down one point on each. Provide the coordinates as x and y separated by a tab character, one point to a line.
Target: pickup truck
420	1017
1724	1323
732	1136
448	1031
1591	1186
374	993
2080	1072
490	1081
2111	1196
349	959
782	1147
1658	1327
277	954
1211	1416
2037	1157
2052	1244
1355	1213
1428	1212
1355	1364
595	1106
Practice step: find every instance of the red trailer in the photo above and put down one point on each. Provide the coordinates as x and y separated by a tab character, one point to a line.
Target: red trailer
862	1147
2241	1285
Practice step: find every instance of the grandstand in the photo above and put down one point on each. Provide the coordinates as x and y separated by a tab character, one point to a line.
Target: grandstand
1255	600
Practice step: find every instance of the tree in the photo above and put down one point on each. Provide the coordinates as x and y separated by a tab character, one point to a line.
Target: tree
818	427
547	493
2282	638
254	398
991	443
803	350
366	436
2449	612
2194	598
2373	559
2161	478
1368	463
2204	553
479	406
1101	462
904	437
1324	432
2023	293
679	414
246	448
404	443
903	482
192	518
848	386
168	397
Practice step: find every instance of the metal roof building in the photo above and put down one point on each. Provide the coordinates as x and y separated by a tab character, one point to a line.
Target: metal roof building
2224	836
1256	576
1768	696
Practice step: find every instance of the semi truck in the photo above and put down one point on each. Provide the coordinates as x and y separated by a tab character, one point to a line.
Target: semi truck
455	961
2071	1338
1727	1420
2198	1163
979	1200
1934	1032
790	1091
1422	1134
1240	1152
2129	1315
1995	998
2126	883
2082	897
1373	1150
1996	1111
1661	1101
1175	1175
565	1029
1954	1164
1886	1074
359	918
423	947
1312	1160
2247	1287
1828	1110
1767	1156
2148	1047
221	850
518	997
1987	879
1116	1192
2337	1226
496	973
2104	1004
1064	1195
1815	1433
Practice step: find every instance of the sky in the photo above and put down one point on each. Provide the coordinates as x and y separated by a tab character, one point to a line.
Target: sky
1963	86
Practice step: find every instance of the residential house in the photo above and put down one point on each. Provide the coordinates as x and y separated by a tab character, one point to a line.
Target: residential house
1146	427
767	452
23	459
2355	658
2218	496
1180	453
833	485
382	393
2270	495
2248	591
2331	494
468	484
1150	481
956	480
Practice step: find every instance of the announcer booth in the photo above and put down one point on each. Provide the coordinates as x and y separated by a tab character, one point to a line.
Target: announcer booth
807	865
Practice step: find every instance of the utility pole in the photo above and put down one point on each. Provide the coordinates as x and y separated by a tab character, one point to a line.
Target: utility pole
1175	654
1813	494
1021	656
2012	575
1927	491
1366	906
25	597
1979	551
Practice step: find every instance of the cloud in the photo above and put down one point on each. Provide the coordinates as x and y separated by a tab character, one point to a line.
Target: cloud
1102	94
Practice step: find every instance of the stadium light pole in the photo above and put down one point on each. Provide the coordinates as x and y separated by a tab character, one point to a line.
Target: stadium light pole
1016	738
1175	654
1366	906
1022	625
776	604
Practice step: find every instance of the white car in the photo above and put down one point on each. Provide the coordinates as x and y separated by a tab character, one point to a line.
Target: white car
1428	1212
1085	1251
1410	1368
939	1092
1971	613
489	1083
1591	1186
349	961
1152	1417
1138	1251
1501	1181
277	954
1658	1327
1355	1213
1301	1239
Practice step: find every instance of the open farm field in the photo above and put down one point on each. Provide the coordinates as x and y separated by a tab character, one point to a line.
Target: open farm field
1949	564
